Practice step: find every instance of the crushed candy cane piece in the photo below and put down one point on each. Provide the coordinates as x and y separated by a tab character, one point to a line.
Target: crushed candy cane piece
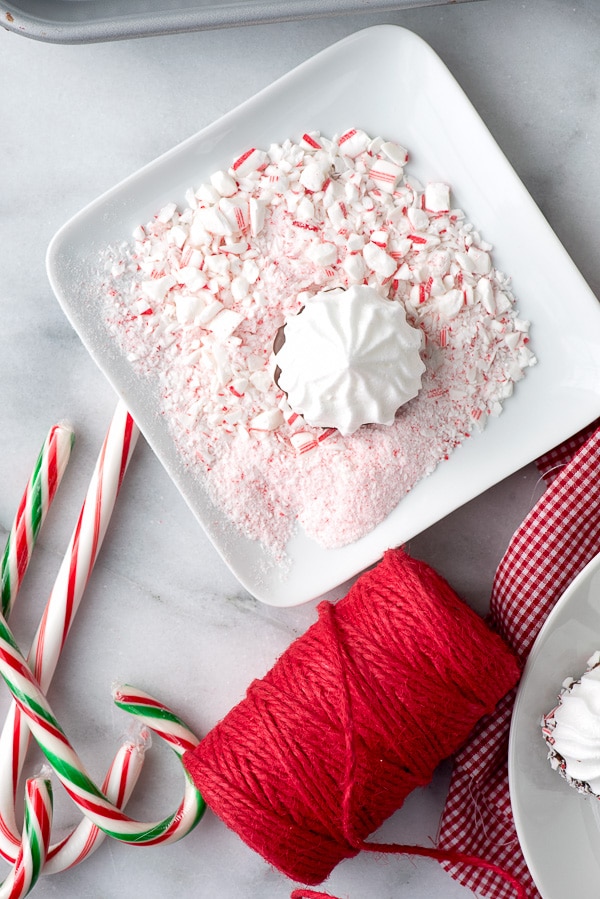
385	174
267	421
437	197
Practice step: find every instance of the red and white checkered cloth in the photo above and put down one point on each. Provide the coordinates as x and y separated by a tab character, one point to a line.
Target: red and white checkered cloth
558	538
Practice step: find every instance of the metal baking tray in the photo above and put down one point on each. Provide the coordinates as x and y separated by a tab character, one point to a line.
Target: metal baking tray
90	21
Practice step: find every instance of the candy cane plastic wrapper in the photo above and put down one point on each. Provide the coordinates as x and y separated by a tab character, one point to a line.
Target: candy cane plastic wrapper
33	508
61	607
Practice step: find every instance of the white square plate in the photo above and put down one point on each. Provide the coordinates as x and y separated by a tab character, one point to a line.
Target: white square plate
389	82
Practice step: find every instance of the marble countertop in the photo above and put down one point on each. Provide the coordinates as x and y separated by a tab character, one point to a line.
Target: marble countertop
161	610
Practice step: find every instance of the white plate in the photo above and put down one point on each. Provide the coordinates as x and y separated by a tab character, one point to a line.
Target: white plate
387	81
558	828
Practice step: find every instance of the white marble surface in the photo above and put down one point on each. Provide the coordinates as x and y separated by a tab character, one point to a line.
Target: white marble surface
161	610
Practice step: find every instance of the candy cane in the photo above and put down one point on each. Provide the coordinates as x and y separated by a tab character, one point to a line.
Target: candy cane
85	838
69	769
118	785
36	837
35	503
33	508
85	544
31	702
157	717
50	638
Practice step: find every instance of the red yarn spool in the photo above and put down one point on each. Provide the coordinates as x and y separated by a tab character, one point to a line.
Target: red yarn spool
355	714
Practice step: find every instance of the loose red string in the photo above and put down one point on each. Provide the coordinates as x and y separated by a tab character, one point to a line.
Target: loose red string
357	712
440	855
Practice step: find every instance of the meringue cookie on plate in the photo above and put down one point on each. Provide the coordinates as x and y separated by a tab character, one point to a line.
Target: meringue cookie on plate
349	358
572	730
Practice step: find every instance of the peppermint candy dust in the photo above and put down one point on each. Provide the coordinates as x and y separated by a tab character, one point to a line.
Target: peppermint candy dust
197	297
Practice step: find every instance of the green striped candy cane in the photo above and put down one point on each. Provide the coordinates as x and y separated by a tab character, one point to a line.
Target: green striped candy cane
33	508
67	766
35	841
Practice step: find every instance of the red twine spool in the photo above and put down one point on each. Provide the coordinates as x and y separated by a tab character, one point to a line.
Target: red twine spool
355	714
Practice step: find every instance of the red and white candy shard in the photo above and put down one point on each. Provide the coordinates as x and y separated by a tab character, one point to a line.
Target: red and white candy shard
349	358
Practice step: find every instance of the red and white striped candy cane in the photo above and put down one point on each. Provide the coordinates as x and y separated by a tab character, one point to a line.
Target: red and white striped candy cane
51	635
34	844
85	544
33	508
69	769
118	785
35	503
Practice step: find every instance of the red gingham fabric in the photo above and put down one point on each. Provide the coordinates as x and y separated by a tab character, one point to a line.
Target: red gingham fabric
553	461
558	538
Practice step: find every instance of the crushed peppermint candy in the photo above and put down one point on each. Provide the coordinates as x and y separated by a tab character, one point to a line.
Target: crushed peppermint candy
197	297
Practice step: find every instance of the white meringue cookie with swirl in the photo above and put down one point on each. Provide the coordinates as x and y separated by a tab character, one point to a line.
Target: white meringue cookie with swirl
572	730
349	358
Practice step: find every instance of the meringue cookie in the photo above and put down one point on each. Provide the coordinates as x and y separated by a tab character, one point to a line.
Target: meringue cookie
572	730
349	358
